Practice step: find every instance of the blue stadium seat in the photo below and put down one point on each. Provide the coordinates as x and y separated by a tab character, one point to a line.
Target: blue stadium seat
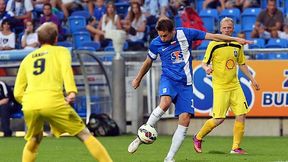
122	8
92	44
203	45
65	44
258	43
79	38
177	21
76	23
209	18
199	5
83	13
233	13
248	18
261	56
278	56
276	43
237	29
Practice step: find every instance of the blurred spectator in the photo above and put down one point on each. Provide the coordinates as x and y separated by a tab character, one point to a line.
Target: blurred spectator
135	27
30	38
7	37
48	16
109	21
214	4
67	6
22	10
270	19
39	4
3	13
284	34
8	105
243	35
97	8
92	28
153	9
241	4
175	7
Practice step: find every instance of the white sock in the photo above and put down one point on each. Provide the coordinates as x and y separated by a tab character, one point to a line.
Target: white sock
177	140
155	116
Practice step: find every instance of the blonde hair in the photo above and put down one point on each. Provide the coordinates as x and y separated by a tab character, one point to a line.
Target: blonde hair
226	19
47	33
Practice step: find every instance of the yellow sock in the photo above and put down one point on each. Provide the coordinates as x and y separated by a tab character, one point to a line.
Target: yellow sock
30	151
97	150
238	134
207	127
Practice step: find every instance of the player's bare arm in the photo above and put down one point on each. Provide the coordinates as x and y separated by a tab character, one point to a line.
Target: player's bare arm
144	69
245	70
207	68
222	37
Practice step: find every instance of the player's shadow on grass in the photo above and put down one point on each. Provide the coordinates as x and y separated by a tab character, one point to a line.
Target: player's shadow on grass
216	152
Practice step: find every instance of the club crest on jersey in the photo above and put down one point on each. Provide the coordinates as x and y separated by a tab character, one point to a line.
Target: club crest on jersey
177	57
235	52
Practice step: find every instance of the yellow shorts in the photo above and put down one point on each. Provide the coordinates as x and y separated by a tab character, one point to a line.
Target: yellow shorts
234	99
62	120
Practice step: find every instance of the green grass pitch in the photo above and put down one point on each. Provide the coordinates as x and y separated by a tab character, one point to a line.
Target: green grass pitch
215	149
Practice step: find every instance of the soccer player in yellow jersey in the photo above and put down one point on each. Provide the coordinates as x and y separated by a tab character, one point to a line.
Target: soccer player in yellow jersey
42	76
224	57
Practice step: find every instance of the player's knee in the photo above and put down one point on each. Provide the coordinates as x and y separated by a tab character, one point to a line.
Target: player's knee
84	134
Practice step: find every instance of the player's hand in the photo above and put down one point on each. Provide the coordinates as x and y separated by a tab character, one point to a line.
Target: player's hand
244	41
208	70
135	83
255	85
71	97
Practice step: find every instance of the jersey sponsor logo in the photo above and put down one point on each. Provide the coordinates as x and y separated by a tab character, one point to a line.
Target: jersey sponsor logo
177	57
230	64
203	92
235	52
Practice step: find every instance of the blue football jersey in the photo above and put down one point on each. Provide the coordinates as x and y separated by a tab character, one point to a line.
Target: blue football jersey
176	55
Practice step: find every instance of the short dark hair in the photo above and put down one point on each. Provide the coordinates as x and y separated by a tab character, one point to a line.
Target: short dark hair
6	21
47	4
165	24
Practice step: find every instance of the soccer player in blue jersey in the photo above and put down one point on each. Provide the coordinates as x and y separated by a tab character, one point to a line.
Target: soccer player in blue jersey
173	45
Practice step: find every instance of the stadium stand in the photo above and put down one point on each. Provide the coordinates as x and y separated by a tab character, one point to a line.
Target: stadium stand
76	23
209	18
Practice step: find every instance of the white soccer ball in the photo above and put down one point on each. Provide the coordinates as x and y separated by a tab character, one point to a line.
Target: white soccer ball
147	134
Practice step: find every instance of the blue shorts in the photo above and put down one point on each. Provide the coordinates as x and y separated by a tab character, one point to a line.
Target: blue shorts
182	95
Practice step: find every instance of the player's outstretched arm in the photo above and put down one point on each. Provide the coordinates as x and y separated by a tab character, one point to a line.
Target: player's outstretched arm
245	70
222	37
144	69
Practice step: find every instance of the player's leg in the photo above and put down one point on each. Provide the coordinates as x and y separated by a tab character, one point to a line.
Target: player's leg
183	109
96	149
31	148
220	107
179	136
65	119
5	119
34	135
240	108
167	92
165	102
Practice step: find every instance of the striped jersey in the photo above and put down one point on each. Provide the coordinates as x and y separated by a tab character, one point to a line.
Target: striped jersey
224	57
176	55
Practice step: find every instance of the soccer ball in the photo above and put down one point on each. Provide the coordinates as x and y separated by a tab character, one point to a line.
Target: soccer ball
147	134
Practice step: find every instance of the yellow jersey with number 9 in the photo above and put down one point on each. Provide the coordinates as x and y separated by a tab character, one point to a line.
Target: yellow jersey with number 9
224	57
42	77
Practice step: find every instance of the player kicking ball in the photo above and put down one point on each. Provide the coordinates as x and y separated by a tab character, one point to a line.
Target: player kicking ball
227	91
174	46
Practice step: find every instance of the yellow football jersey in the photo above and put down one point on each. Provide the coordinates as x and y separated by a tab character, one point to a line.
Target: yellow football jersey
224	57
41	77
